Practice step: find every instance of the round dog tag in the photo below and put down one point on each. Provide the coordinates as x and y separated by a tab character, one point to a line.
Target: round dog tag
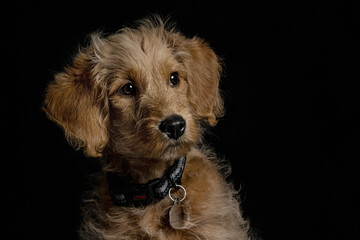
176	215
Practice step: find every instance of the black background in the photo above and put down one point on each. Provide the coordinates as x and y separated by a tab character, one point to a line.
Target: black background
291	89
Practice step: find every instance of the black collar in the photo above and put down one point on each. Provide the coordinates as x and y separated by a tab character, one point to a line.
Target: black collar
148	193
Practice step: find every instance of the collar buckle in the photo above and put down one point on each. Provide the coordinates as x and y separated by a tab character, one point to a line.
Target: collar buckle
150	187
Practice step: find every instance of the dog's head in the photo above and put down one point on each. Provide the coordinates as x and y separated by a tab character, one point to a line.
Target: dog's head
141	92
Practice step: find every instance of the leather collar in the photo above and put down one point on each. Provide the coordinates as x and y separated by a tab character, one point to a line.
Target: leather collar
144	194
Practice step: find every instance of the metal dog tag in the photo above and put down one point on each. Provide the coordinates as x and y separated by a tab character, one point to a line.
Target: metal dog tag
176	215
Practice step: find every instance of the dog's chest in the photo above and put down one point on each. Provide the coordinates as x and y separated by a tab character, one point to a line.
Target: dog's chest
154	223
208	212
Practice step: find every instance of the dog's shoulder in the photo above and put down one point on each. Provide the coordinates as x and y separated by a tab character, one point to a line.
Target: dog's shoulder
210	197
204	163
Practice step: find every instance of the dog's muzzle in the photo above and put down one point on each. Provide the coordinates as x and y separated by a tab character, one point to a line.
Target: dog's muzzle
174	126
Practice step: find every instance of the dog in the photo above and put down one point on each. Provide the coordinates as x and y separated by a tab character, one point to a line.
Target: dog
139	100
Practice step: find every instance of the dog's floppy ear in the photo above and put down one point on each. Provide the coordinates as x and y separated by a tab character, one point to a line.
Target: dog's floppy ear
75	101
203	78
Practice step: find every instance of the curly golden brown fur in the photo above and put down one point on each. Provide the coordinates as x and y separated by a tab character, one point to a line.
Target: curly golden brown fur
110	103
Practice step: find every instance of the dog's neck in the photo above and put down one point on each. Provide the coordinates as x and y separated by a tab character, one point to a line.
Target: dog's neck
142	183
139	170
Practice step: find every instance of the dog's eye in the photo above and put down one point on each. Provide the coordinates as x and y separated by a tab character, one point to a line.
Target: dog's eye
174	78
128	89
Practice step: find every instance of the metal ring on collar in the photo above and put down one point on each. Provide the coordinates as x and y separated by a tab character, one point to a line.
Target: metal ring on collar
177	185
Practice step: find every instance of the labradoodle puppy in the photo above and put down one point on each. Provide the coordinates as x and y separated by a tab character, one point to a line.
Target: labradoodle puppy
140	99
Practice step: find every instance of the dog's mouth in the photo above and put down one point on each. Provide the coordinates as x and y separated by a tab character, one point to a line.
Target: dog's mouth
174	149
174	145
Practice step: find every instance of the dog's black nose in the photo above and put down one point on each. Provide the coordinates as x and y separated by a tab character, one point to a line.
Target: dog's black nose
173	126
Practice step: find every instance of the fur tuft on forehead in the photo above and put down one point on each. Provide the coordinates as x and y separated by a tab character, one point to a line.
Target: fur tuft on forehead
129	46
